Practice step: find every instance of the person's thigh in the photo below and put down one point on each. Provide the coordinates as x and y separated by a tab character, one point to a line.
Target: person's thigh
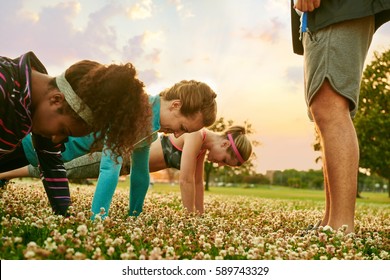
337	53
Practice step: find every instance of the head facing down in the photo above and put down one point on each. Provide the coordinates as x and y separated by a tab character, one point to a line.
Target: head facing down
106	100
234	149
192	107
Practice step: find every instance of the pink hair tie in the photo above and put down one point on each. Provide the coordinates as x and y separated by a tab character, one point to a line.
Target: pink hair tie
240	159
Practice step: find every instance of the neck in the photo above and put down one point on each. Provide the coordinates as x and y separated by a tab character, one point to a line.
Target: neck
39	87
210	140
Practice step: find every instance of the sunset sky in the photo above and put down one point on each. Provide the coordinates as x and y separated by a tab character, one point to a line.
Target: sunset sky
242	49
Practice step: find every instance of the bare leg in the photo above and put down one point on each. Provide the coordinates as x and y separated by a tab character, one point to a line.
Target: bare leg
341	154
16	173
325	219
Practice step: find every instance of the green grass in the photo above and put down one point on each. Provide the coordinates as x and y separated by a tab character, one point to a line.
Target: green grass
272	192
263	191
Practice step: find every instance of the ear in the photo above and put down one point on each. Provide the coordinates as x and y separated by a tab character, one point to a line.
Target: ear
175	105
225	143
56	98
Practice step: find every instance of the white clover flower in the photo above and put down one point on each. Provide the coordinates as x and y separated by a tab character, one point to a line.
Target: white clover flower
330	249
110	251
29	254
117	241
70	251
384	255
231	251
98	218
18	239
328	228
32	244
97	253
155	254
156	241
79	256
125	256
50	244
187	240
170	250
344	228
218	242
130	248
322	237
206	246
82	230
108	242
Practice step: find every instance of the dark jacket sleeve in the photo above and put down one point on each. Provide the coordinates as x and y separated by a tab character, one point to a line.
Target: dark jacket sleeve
381	18
295	25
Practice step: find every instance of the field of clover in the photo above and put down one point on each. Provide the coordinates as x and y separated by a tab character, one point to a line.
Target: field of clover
233	227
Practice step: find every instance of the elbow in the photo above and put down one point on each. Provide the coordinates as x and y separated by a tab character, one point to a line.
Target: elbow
186	181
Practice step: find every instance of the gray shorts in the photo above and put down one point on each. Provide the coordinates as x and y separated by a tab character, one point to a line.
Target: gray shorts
337	53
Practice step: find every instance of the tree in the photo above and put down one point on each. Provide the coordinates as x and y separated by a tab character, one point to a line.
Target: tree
372	121
227	172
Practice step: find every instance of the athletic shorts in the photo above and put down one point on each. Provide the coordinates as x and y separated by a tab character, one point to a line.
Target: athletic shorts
337	53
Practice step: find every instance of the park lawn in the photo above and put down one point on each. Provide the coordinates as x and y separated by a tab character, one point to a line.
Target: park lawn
264	222
269	191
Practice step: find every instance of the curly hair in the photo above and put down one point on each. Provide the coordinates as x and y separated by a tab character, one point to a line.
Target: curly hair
119	104
195	97
243	144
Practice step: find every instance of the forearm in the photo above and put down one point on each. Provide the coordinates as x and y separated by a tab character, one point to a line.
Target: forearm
139	180
199	198
53	175
187	189
106	185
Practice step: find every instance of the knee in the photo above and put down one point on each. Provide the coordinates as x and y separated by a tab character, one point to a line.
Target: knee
328	106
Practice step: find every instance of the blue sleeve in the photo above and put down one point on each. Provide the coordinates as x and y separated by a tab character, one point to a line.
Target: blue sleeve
139	179
106	184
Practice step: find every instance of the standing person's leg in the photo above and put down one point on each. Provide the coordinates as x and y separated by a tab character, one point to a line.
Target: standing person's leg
325	219
332	84
340	154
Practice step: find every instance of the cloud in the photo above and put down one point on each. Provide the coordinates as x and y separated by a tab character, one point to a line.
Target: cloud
136	49
295	74
53	35
141	10
148	76
154	56
183	11
269	32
